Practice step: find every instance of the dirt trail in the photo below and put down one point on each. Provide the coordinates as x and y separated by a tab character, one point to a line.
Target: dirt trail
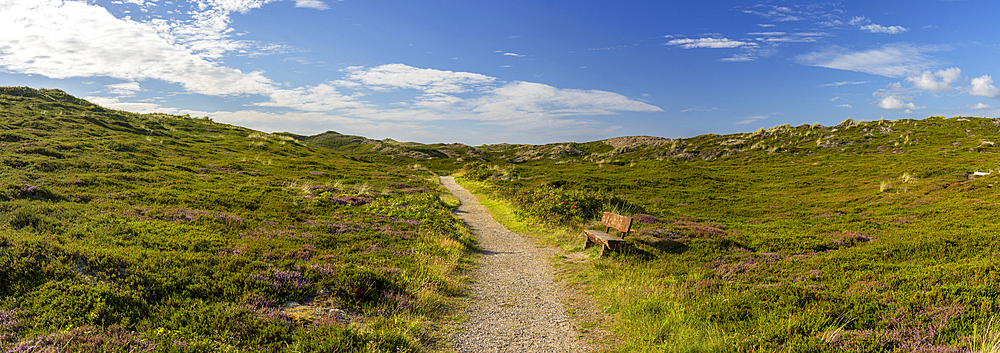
515	306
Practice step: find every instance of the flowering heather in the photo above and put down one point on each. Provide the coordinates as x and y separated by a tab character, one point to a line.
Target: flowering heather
304	254
325	270
908	331
181	215
400	220
342	228
661	233
316	173
643	218
264	233
10	325
280	280
263	306
352	200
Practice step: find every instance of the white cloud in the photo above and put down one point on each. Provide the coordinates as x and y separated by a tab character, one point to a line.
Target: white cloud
739	58
514	55
983	87
135	107
865	24
980	105
62	39
65	39
845	106
776	13
438	101
928	80
874	28
531	100
843	83
397	76
750	119
313	4
123	89
713	43
813	34
322	97
893	102
314	123
892	60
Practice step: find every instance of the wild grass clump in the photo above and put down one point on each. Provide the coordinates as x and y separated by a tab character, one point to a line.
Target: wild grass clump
987	339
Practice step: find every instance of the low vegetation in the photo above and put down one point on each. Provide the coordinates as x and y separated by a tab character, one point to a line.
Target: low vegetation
133	233
862	237
128	232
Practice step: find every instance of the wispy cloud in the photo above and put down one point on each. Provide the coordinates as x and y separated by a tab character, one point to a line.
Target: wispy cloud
844	83
891	60
123	89
313	4
865	24
713	43
750	119
451	95
400	76
776	13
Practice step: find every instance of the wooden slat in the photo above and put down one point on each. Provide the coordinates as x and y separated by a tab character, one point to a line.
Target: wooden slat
605	240
621	223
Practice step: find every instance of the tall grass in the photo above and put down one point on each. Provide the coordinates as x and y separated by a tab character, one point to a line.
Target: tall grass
988	341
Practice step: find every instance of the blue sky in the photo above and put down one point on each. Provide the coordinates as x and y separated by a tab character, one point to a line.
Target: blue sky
511	71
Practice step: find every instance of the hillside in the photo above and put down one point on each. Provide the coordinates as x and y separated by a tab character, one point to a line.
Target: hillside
147	232
863	237
129	232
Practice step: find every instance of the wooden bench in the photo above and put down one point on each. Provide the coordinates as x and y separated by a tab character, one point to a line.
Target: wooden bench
607	241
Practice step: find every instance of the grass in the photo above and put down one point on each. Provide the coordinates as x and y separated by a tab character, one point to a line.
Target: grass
153	232
171	233
874	240
989	339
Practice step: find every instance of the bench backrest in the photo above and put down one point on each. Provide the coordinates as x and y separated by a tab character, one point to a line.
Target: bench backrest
621	223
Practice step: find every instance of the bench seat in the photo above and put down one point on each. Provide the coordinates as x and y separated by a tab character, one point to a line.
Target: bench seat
605	240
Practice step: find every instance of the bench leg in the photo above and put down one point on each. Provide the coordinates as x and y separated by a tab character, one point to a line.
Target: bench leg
587	243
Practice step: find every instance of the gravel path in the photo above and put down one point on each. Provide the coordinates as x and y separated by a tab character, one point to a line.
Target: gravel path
515	306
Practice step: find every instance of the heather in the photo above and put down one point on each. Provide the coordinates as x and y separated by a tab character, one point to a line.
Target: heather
863	237
150	232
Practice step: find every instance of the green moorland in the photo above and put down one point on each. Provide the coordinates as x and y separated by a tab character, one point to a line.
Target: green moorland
122	232
862	237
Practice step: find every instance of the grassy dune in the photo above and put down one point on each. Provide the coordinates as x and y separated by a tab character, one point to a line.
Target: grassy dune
127	232
862	237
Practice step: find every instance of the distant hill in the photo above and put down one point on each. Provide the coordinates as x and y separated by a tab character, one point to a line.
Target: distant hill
852	137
